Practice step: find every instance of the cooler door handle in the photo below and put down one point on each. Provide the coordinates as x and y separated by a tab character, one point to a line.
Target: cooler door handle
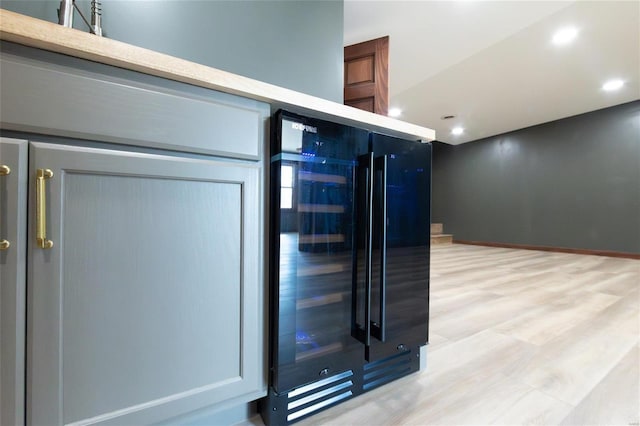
362	332
380	166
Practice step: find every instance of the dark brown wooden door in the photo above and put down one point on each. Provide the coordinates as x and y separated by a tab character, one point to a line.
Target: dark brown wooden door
366	75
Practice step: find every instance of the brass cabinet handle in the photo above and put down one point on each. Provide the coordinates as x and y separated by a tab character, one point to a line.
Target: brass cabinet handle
4	170
41	209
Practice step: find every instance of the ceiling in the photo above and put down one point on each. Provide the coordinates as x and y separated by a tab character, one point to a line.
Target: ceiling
492	63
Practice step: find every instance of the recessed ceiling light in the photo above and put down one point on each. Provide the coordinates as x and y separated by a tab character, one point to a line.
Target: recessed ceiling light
394	112
457	130
565	36
612	85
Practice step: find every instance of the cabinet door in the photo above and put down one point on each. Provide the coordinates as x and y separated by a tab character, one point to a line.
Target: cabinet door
13	206
148	305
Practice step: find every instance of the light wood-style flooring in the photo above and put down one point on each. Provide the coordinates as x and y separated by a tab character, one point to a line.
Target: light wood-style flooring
518	337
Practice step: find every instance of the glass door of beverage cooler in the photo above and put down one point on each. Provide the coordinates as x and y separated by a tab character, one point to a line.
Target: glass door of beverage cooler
391	281
313	186
400	244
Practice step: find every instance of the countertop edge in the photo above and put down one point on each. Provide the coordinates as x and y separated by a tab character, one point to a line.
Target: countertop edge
40	34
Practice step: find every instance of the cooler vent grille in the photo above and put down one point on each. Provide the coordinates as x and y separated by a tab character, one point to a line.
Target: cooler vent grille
318	395
380	372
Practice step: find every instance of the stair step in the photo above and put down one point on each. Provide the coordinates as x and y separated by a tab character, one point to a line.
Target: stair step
441	239
436	228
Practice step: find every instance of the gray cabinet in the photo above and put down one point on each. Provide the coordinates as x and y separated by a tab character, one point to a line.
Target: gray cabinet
148	304
132	291
13	206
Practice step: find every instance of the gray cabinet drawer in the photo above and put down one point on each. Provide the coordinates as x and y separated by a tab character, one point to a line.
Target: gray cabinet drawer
48	93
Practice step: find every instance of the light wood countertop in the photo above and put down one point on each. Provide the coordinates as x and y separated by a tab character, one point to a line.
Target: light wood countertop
45	35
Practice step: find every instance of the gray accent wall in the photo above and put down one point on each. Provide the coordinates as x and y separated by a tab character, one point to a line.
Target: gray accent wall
571	183
294	44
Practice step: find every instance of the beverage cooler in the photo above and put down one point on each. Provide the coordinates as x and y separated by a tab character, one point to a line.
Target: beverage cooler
349	263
